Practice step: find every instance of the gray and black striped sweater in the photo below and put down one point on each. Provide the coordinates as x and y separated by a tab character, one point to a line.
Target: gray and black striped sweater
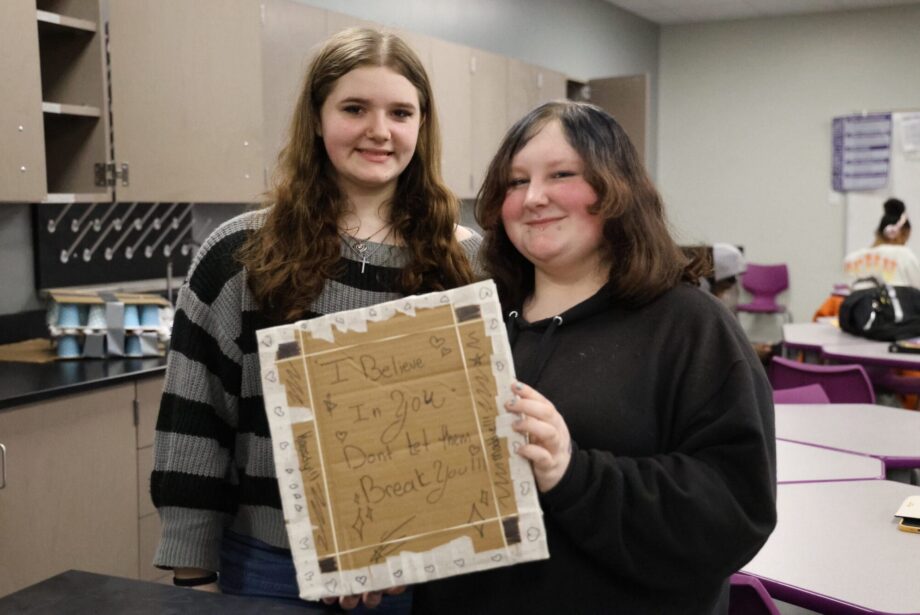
213	463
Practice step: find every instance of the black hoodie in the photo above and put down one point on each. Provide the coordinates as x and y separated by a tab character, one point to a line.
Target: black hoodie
672	483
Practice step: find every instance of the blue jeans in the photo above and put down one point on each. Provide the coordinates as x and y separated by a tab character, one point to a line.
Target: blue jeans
249	567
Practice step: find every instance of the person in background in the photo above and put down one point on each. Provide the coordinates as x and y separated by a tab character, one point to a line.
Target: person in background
889	260
727	264
359	215
649	417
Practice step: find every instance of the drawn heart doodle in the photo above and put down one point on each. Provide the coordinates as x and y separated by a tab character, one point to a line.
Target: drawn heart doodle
444	299
284	445
436	341
525	488
271	377
397	573
459	563
533	534
279	411
330	585
309	575
497	557
485	293
341	435
474	450
289	470
267	341
361	579
298	507
429	568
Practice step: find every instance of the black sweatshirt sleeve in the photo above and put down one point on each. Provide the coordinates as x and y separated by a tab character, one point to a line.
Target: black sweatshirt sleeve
693	514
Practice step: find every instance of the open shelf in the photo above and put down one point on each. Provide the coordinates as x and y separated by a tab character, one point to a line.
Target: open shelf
71	57
78	110
55	20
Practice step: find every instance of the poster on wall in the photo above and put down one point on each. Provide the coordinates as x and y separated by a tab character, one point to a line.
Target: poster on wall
394	453
861	152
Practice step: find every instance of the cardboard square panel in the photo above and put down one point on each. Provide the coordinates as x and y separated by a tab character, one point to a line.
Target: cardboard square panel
395	457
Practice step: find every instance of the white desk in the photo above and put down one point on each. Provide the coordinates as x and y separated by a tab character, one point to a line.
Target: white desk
812	336
837	549
804	463
890	434
870	353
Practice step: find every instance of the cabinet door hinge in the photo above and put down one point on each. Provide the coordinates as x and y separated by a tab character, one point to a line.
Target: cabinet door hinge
137	412
107	173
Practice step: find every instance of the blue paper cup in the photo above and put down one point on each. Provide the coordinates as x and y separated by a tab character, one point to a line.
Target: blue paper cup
68	315
133	346
68	346
150	316
96	319
132	317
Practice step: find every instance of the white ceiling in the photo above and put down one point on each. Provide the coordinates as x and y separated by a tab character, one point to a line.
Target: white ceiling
688	11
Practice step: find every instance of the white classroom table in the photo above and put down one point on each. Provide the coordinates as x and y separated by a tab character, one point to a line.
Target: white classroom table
805	463
812	336
836	549
890	434
870	353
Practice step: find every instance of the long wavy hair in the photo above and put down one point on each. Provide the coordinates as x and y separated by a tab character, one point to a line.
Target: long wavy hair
644	259
290	258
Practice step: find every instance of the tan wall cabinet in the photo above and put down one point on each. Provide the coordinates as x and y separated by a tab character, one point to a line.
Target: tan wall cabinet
186	103
148	394
291	33
450	68
69	497
187	99
22	158
489	95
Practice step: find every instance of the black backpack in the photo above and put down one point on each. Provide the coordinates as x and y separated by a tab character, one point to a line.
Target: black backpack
883	312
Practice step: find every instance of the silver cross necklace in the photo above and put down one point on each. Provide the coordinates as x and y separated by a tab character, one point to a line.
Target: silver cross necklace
360	247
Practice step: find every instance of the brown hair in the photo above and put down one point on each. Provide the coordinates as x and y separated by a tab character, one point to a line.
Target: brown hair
644	259
291	256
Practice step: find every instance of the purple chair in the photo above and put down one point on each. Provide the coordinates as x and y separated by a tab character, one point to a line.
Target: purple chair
764	282
808	394
843	384
747	596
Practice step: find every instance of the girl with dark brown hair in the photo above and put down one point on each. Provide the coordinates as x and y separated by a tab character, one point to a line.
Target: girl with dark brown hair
359	215
649	418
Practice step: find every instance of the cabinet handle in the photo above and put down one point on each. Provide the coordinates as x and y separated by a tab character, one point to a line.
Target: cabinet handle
2	466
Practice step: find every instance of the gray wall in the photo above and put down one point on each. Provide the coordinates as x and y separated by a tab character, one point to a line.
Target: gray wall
17	279
744	130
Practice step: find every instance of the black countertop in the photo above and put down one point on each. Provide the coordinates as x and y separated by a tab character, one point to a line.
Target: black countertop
24	383
84	593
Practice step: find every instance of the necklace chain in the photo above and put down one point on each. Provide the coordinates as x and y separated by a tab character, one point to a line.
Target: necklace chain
360	247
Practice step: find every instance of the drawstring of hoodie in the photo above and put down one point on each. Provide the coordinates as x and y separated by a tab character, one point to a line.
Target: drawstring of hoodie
533	368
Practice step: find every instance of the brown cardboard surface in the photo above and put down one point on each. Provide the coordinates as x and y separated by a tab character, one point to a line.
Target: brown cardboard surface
394	463
89	297
37	350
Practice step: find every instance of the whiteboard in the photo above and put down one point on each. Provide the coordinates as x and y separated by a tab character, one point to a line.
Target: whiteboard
864	209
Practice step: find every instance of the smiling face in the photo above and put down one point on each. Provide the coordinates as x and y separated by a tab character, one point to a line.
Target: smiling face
545	211
369	124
